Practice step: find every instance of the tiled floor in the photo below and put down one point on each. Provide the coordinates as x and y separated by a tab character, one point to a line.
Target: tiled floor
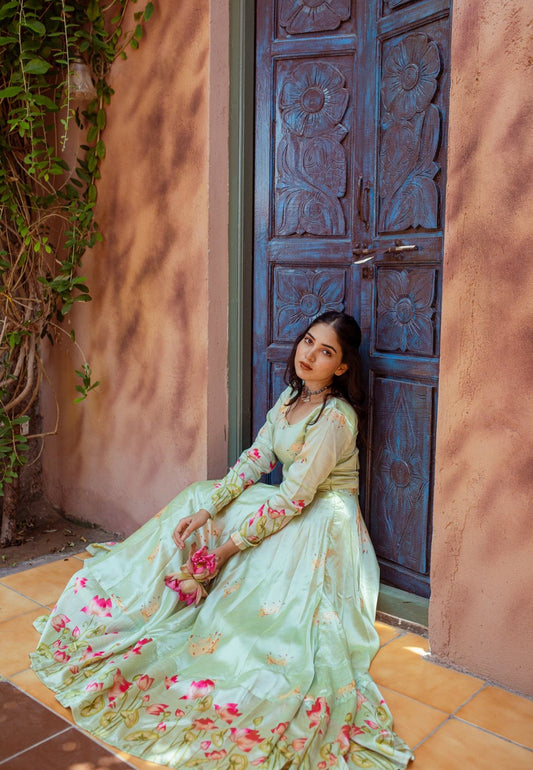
452	720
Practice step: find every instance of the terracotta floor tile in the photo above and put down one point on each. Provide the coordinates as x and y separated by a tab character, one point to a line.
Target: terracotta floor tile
401	666
71	750
458	746
30	683
12	603
502	713
23	721
413	721
17	639
44	584
386	633
83	555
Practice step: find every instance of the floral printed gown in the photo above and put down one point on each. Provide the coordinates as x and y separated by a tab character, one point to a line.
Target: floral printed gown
271	669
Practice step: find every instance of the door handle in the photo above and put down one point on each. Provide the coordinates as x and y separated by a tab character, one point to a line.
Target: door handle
400	248
363	201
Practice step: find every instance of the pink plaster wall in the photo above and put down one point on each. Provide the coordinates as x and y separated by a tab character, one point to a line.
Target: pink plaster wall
157	323
481	611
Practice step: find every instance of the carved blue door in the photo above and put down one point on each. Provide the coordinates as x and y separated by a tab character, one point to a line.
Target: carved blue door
351	114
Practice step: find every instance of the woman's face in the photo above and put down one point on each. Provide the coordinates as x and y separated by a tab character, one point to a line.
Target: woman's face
319	357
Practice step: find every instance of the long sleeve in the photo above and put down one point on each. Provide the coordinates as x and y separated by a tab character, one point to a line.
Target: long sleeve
325	443
258	459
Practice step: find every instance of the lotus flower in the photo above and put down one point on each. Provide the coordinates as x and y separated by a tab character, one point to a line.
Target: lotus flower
188	582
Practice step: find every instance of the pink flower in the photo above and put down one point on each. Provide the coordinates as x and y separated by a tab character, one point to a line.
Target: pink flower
254	454
298	743
371	724
145	698
119	687
217	754
360	700
203	563
170	680
179	713
161	727
79	582
298	503
98	606
59	621
273	514
204	723
258	761
244	738
343	739
61	656
94	686
137	649
228	712
199	689
200	567
75	632
144	682
73	669
280	729
355	730
205	745
156	708
318	711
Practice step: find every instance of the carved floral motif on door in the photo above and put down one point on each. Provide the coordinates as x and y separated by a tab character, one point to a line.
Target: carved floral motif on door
299	16
311	161
411	131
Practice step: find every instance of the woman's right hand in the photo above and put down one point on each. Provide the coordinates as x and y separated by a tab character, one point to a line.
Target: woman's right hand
188	525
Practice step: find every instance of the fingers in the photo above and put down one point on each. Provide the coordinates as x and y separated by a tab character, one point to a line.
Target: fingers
187	526
182	532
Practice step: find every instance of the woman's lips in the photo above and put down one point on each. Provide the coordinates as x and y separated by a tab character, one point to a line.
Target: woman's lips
305	366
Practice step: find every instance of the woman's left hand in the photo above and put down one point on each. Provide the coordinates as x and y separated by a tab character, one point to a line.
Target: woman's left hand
224	552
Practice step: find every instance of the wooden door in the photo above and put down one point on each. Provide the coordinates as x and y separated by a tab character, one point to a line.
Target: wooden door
351	109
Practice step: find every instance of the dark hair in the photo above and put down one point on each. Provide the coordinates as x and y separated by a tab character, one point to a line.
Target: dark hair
349	385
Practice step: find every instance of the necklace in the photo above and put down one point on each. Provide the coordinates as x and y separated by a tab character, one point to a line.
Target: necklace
306	395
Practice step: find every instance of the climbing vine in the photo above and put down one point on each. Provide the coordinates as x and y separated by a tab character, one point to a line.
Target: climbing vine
46	204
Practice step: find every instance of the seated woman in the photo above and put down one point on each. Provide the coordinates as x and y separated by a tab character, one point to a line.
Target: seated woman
270	668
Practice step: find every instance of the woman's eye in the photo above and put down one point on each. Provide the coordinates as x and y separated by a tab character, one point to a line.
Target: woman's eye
327	352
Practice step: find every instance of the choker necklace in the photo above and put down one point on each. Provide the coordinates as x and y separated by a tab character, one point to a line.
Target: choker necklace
306	395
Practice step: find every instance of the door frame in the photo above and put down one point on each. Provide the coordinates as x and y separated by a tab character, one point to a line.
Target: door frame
241	224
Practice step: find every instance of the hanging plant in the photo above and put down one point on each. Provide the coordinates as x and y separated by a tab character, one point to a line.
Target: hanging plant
46	205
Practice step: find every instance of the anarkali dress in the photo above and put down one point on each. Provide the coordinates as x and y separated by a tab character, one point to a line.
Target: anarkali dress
271	669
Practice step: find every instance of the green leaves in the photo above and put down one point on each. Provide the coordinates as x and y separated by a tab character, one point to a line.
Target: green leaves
85	374
48	219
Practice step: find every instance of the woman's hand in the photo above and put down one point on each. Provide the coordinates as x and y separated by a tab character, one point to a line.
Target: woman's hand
224	552
188	525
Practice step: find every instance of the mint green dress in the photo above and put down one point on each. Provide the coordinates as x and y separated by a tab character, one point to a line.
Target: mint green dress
271	669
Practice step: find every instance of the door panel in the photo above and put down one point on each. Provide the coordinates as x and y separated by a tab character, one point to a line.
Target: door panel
351	115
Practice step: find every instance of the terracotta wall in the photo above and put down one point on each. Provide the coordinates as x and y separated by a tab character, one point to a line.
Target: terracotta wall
481	612
157	323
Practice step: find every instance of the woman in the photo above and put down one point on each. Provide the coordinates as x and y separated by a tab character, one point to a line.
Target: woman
271	668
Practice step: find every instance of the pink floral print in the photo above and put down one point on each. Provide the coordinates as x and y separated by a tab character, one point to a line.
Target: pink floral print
98	606
199	689
245	738
228	712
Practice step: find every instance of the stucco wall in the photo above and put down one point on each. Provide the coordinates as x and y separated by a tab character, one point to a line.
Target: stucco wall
481	613
158	320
